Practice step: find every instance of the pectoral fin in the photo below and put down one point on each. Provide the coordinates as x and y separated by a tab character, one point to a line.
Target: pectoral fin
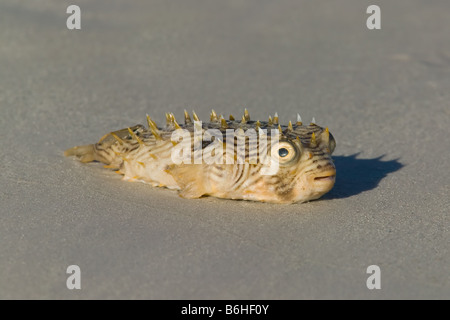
190	180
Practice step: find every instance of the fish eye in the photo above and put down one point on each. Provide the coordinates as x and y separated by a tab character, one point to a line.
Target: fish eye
283	152
332	143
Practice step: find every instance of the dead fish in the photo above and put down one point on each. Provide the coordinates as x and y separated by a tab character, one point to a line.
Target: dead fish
240	154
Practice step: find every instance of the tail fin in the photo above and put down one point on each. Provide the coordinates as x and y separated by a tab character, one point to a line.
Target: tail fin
85	153
101	151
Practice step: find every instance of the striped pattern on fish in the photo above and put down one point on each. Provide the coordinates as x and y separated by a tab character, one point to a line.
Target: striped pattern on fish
239	151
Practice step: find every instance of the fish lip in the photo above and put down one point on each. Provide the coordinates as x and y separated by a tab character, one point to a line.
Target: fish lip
326	176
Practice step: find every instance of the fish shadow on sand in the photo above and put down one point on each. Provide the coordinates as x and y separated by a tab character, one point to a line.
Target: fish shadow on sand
355	176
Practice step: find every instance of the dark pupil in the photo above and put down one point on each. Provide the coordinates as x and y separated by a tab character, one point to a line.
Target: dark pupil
283	152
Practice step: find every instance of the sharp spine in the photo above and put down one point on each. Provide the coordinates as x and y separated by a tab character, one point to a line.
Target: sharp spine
150	122
153	128
246	115
223	123
325	136
177	126
187	118
275	118
117	138
290	128
167	119
214	116
299	120
313	139
171	118
134	135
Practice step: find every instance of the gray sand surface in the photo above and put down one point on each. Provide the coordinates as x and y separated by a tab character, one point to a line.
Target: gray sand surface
384	94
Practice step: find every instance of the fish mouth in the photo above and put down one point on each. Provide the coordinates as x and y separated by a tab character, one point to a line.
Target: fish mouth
324	181
326	177
330	177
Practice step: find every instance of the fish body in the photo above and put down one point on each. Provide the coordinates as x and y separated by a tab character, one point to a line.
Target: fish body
232	159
